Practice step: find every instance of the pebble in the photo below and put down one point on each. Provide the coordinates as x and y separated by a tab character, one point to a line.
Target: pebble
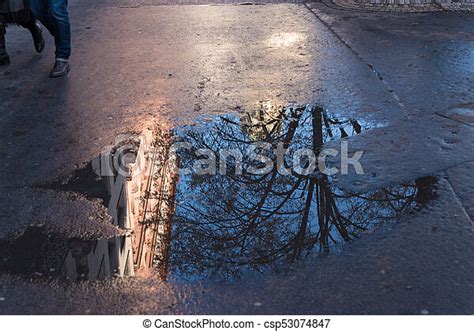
257	304
424	312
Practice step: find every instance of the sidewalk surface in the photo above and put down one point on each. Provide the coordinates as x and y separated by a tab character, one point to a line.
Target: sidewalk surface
141	62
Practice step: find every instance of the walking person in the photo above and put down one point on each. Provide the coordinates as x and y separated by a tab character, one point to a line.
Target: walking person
53	14
18	12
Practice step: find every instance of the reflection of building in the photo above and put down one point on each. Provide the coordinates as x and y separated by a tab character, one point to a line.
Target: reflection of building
150	203
268	119
141	201
140	189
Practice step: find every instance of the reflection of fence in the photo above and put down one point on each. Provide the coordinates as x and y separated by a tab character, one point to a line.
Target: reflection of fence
141	190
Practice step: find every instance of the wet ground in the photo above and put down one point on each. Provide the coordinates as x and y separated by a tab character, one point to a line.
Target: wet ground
397	239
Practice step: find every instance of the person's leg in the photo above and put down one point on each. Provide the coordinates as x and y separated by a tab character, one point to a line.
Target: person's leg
53	14
36	33
41	10
4	58
62	37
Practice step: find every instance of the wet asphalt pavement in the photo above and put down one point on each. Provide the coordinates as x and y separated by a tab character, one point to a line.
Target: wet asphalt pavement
409	76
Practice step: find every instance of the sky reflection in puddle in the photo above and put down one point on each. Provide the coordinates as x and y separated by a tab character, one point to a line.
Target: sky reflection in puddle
225	224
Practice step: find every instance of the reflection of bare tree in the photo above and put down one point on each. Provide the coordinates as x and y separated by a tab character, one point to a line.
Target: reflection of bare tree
224	222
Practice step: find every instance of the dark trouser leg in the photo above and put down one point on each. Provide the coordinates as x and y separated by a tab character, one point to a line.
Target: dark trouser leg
42	12
36	33
3	30
54	16
62	38
30	25
4	58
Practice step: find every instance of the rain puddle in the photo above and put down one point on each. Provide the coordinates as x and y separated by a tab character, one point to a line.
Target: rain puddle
227	212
